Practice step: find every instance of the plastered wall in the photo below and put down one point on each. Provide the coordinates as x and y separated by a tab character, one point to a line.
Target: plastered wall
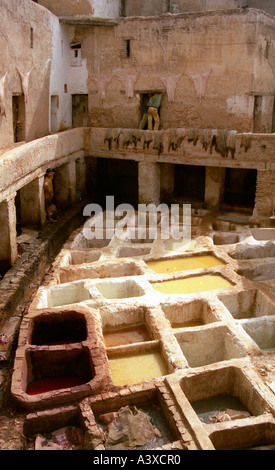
97	8
23	25
181	47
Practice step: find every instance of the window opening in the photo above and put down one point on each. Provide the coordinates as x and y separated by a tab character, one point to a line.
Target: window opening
31	38
18	111
127	43
76	59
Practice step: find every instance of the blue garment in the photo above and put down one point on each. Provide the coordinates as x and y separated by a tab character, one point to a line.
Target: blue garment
155	101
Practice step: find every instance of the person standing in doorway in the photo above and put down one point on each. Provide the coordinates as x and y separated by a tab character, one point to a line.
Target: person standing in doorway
153	111
49	193
145	103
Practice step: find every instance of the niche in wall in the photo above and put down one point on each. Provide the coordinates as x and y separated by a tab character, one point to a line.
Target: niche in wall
240	187
189	183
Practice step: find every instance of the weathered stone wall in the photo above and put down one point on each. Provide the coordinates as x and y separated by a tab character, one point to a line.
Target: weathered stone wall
180	46
158	7
24	24
97	8
266	5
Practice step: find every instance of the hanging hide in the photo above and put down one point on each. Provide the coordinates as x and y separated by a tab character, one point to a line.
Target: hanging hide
2	95
136	136
200	83
170	84
116	137
193	135
127	137
109	138
173	140
102	84
231	142
246	141
158	142
25	78
128	82
224	141
147	139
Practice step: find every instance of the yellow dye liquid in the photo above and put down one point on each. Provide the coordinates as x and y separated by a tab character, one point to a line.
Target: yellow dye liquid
191	285
133	369
184	264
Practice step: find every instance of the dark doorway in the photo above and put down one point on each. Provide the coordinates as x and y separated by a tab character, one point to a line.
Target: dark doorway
79	110
240	187
118	178
189	183
18	114
143	121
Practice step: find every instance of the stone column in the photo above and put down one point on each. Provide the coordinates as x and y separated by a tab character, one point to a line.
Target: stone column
148	183
80	178
8	245
214	187
32	204
167	181
264	199
65	185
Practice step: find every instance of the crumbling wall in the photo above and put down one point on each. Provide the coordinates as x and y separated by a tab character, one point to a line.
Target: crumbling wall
266	5
25	60
213	70
143	8
158	7
97	8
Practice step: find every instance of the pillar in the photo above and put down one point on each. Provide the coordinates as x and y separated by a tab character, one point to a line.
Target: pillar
32	204
264	199
149	183
8	245
214	187
167	182
80	178
65	185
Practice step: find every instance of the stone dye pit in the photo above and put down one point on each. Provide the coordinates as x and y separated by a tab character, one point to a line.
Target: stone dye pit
102	349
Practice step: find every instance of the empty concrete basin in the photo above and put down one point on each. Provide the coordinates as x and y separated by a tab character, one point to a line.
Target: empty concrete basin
248	304
58	328
261	330
179	245
259	272
225	238
189	314
49	370
108	269
132	251
98	241
253	436
254	250
209	345
226	381
64	294
84	256
263	233
117	289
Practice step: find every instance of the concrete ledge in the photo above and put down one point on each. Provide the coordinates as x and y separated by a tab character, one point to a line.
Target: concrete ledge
23	279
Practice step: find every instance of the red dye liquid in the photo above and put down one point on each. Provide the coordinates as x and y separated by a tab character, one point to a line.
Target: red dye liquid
49	384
